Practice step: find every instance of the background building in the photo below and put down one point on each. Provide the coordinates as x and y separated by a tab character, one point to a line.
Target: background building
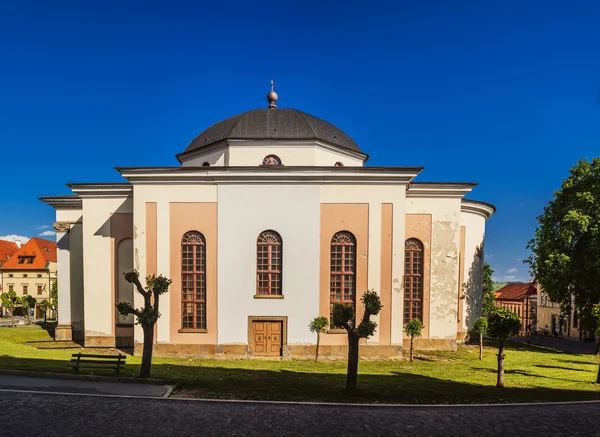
31	270
520	297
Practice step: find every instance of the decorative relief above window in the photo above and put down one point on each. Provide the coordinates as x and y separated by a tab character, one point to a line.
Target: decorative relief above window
271	160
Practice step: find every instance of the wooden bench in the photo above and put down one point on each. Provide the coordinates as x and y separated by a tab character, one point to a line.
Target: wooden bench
90	361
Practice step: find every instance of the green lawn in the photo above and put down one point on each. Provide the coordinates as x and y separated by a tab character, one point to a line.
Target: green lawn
532	374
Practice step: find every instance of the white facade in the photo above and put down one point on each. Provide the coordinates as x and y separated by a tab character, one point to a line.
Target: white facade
320	188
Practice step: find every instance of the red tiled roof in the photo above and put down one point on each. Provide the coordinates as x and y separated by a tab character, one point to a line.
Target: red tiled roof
42	251
7	249
517	291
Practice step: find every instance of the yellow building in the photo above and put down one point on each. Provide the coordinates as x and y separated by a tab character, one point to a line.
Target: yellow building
31	270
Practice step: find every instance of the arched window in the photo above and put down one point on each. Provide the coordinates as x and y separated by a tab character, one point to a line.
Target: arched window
193	281
413	280
269	257
271	160
205	164
342	270
339	164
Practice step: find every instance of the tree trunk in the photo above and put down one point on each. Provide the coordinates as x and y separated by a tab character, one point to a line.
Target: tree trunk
598	347
480	346
500	383
317	352
598	377
147	353
12	318
411	348
352	374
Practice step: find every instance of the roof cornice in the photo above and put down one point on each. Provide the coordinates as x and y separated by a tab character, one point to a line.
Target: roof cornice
72	201
486	210
270	175
119	190
439	189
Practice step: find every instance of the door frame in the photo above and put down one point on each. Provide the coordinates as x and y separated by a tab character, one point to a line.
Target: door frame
284	328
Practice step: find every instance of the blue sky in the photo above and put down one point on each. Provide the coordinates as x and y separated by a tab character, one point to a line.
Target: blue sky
504	93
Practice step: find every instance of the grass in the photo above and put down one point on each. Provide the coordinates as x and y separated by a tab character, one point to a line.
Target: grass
533	374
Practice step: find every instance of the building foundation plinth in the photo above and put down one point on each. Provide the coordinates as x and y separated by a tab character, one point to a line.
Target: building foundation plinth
63	333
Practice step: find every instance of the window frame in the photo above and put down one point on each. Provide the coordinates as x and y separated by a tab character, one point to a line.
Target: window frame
271	160
193	243
346	284
273	274
413	273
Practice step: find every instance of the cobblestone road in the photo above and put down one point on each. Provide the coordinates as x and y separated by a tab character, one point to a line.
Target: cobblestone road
69	416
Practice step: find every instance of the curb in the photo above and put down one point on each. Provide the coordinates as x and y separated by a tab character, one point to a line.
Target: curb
97	378
300	403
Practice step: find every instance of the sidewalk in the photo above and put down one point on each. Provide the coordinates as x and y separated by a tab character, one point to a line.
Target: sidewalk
30	383
563	344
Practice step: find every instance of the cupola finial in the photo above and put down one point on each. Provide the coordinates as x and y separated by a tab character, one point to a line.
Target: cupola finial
272	96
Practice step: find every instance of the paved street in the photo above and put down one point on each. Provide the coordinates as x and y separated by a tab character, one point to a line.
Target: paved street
66	416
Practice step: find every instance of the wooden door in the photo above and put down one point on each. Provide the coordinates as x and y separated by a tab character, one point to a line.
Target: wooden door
267	338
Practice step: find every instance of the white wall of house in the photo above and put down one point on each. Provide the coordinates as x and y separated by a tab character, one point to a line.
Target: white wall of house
162	195
97	268
445	244
244	212
473	267
375	196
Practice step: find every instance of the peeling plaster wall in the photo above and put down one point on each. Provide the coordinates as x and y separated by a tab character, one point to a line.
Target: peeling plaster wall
473	267
445	243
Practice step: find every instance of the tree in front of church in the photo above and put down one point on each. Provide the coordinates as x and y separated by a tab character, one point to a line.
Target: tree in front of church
502	323
148	315
27	302
596	316
10	301
480	327
413	329
489	295
565	249
343	316
318	325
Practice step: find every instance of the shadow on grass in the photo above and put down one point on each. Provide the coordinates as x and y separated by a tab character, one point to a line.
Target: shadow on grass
236	383
563	368
49	327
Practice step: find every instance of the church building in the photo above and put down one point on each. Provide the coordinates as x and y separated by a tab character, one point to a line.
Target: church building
271	218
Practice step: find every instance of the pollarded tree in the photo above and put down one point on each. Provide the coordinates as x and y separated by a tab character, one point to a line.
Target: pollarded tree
413	329
480	327
342	317
318	325
44	306
10	301
502	323
565	249
148	315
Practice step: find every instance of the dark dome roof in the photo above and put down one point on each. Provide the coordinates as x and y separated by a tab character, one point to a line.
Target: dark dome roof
273	124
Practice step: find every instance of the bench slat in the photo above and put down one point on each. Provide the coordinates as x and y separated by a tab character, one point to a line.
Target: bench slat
99	356
105	363
92	366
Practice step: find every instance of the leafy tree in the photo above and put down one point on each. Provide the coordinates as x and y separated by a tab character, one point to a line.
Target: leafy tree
318	325
53	302
502	323
413	329
148	315
10	301
27	302
480	327
489	295
565	249
342	316
44	306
